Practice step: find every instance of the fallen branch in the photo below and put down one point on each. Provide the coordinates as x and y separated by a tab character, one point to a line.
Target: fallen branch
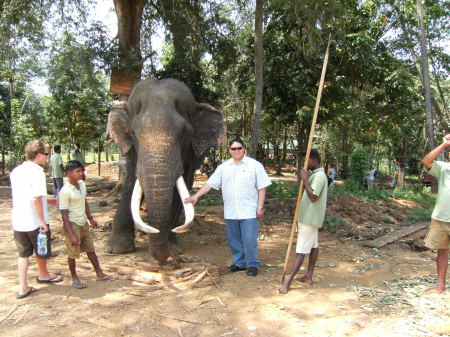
212	278
149	288
371	289
21	316
178	319
9	313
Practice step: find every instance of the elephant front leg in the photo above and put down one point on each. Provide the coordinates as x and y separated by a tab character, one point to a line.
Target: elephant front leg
122	237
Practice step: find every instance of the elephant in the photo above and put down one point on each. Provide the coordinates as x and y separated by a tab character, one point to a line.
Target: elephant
164	135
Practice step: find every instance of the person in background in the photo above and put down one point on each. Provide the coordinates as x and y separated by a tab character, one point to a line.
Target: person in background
77	155
371	179
332	175
57	169
395	180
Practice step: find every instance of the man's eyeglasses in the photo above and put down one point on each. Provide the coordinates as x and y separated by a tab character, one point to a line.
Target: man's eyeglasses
239	148
45	153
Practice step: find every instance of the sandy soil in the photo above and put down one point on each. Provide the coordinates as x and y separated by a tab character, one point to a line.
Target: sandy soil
350	297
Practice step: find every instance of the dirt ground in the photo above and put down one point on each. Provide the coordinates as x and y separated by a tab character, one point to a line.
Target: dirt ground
359	291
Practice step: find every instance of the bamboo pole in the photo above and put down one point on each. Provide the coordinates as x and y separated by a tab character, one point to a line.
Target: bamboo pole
308	151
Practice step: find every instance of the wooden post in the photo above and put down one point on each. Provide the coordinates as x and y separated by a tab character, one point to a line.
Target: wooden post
308	151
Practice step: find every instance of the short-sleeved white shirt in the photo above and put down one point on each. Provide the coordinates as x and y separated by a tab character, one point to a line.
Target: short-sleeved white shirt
27	182
240	183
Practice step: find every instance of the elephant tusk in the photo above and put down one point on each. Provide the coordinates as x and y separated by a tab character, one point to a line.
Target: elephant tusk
135	203
188	208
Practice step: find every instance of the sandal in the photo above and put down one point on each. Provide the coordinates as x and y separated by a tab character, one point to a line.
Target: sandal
29	292
54	279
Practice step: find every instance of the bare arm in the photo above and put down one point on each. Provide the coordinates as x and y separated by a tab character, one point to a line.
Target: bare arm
39	208
427	161
202	191
68	227
261	199
89	215
307	186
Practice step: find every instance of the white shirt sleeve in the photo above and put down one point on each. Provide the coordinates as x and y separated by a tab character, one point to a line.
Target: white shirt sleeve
38	185
215	181
262	179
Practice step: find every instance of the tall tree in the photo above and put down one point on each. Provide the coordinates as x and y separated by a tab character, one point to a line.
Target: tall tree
425	76
256	125
128	72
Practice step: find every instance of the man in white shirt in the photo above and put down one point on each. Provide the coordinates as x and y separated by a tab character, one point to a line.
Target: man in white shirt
29	214
243	181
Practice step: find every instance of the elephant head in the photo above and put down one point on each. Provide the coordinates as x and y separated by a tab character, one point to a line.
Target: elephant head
171	134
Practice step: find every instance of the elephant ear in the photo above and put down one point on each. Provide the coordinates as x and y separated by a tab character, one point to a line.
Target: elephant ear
209	129
118	128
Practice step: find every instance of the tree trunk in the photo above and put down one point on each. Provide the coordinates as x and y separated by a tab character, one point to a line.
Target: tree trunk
3	159
301	149
129	19
99	149
256	125
425	76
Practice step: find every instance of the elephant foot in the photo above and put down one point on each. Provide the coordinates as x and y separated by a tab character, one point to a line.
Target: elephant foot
118	245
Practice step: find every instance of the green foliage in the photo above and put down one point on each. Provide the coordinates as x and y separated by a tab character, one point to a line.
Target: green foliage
210	163
79	106
418	194
421	195
332	223
419	215
213	198
359	166
283	190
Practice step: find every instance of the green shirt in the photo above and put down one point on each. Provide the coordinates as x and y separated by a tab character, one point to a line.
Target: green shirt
55	162
313	213
441	171
77	155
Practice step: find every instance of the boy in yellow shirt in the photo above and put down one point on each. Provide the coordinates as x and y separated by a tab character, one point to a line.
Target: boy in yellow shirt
75	213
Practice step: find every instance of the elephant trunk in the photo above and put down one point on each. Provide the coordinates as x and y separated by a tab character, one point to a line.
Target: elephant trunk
188	208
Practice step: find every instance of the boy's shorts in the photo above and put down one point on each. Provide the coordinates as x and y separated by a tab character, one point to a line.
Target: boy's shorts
307	238
86	240
26	243
438	236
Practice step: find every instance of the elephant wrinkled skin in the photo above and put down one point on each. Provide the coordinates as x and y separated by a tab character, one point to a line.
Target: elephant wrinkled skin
164	135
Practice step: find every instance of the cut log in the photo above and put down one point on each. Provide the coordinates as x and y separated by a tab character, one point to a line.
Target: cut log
395	235
120	269
107	185
145	277
147	266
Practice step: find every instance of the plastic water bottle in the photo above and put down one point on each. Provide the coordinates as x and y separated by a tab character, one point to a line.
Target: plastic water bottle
42	244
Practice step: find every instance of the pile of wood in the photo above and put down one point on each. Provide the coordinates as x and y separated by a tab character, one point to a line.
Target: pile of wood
187	276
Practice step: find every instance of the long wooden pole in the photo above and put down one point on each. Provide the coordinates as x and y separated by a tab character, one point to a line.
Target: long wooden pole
308	151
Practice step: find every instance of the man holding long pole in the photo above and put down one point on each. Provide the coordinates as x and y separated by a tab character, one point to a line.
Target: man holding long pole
310	219
306	163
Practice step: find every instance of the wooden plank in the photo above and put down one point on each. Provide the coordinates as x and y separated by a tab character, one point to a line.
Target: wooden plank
395	235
